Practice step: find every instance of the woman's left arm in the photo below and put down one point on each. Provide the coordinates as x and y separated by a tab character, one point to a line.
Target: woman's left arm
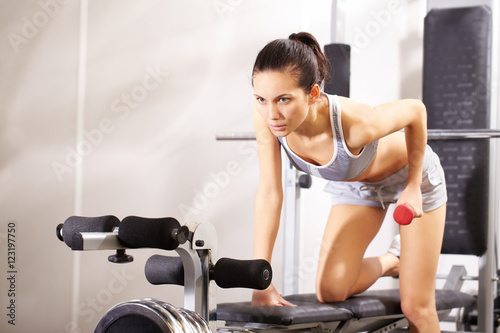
416	141
365	124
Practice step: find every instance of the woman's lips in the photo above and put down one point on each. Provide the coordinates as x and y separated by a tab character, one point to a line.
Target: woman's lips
277	128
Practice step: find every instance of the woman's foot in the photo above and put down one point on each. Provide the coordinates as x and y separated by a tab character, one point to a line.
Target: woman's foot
393	256
395	247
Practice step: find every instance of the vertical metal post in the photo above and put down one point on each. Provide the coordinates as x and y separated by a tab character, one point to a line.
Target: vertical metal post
291	229
194	281
486	291
495	119
489	264
196	256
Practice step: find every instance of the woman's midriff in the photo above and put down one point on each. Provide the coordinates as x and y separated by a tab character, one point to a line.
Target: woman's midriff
391	156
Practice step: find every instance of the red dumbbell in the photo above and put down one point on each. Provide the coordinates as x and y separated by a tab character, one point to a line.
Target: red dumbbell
403	214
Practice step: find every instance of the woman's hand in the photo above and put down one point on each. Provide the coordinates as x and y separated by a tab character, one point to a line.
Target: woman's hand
412	196
269	297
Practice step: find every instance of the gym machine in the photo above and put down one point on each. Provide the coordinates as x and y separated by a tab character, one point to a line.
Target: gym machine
195	268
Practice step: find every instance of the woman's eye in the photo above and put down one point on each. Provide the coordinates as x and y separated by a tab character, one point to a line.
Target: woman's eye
284	99
260	100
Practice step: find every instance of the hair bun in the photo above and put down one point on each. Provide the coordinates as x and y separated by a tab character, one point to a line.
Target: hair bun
304	38
299	37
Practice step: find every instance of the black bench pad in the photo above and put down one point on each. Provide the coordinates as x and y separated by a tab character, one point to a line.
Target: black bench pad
372	303
303	312
375	303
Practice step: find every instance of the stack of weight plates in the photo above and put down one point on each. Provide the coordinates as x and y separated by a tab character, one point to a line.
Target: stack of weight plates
150	316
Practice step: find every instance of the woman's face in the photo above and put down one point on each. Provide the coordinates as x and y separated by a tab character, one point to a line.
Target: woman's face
280	102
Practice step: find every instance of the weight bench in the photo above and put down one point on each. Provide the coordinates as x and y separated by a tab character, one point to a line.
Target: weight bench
374	310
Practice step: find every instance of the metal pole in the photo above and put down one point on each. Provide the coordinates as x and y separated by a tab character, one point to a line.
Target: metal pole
432	134
291	230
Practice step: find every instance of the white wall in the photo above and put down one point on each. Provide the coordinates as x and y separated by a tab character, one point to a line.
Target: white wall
148	139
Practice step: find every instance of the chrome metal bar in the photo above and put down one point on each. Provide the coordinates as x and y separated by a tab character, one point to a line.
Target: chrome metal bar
457	134
463	278
432	134
235	136
101	241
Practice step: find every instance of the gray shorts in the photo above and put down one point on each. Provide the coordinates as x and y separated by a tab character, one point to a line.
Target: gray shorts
387	191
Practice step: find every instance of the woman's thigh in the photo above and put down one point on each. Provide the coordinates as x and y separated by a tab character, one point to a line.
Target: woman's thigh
348	232
420	249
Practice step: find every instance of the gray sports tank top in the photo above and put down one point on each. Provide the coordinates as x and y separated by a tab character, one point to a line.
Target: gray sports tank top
344	165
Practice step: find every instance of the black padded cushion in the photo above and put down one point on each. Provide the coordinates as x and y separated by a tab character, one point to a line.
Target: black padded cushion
373	303
367	304
457	52
456	73
339	69
307	311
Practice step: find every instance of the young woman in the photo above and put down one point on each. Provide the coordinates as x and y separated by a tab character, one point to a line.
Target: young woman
369	162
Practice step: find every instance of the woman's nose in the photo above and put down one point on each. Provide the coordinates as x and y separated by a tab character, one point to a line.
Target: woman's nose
273	113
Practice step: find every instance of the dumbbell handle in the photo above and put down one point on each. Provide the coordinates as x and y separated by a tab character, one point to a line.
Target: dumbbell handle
404	214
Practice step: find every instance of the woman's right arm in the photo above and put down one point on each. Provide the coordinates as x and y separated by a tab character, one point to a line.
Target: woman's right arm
269	197
268	204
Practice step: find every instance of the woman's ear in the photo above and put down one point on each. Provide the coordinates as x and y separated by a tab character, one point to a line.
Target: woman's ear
314	94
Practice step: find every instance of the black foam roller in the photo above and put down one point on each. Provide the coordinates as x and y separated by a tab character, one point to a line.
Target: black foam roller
233	273
164	270
76	224
137	232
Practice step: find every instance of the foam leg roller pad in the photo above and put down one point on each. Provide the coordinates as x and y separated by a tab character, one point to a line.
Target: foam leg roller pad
164	270
232	273
77	224
158	233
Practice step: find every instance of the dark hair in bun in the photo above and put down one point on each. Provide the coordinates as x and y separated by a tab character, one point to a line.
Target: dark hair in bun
300	55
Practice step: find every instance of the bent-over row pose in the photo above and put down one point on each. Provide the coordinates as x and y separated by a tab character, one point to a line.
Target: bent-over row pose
369	163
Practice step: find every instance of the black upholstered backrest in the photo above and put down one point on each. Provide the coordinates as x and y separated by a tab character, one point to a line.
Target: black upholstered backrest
339	68
456	93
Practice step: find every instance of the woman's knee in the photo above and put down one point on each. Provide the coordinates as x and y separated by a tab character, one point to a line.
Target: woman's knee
417	310
331	292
